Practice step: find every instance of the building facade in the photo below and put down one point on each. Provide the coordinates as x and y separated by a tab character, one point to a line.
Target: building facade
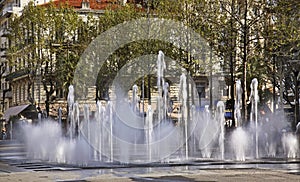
20	85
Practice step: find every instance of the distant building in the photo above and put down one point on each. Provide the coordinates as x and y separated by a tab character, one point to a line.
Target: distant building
20	87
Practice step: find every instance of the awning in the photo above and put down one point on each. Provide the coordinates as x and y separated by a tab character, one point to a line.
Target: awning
13	111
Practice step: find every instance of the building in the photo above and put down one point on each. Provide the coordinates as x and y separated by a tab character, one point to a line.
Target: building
22	87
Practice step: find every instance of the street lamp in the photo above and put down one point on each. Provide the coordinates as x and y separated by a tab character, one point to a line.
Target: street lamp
296	70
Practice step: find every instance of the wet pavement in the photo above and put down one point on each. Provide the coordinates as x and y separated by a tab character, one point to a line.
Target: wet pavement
14	166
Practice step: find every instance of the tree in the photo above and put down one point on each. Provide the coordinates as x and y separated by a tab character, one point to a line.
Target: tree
53	38
284	46
111	18
234	29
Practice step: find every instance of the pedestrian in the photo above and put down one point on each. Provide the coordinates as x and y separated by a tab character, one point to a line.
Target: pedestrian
3	132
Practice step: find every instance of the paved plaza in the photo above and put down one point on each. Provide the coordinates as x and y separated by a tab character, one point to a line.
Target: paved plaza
170	174
15	167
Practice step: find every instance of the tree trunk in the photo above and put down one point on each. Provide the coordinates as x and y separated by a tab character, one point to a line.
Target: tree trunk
210	81
149	89
232	89
281	85
231	60
274	85
296	73
47	103
244	83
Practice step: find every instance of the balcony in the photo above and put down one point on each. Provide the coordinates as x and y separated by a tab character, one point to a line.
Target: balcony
3	49
2	2
17	74
8	9
3	56
4	32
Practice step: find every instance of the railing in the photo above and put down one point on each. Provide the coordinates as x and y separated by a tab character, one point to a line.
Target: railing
1	1
3	32
8	8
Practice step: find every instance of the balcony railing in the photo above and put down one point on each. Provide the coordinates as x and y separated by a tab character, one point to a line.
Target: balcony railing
17	73
3	49
8	8
4	32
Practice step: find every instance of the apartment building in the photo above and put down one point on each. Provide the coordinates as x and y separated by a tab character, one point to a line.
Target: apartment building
20	87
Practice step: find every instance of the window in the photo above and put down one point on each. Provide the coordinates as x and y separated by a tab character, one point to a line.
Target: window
20	91
16	95
17	3
201	90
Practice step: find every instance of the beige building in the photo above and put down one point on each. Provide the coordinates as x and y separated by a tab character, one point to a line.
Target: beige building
20	88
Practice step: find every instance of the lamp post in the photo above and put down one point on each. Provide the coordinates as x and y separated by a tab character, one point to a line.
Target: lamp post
296	70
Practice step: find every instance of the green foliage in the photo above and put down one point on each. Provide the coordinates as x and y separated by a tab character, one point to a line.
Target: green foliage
245	34
48	41
284	44
46	37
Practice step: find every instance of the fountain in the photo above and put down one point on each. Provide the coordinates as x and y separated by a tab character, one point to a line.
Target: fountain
59	113
183	119
254	111
237	108
118	133
149	131
239	144
221	120
134	97
70	100
207	131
